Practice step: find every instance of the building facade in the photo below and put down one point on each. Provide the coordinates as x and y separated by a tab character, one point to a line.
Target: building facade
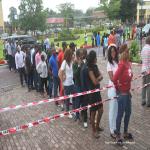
143	12
1	18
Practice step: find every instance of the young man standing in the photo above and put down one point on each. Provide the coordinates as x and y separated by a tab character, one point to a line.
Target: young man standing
20	65
53	63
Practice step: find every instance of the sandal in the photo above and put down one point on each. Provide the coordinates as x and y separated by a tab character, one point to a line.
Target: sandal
128	136
119	140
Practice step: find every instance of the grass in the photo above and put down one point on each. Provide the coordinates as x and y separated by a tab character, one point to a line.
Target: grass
1	50
78	42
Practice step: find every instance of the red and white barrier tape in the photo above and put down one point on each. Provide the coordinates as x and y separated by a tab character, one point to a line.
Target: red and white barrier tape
47	119
62	98
51	118
25	105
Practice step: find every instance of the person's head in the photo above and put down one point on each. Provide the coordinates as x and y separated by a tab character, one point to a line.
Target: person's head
64	46
78	54
112	32
53	51
68	55
84	53
91	58
112	54
148	40
42	58
124	53
72	46
98	33
57	44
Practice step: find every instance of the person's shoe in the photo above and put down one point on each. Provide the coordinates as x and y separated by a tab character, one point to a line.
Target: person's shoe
113	135
119	140
143	103
85	124
128	136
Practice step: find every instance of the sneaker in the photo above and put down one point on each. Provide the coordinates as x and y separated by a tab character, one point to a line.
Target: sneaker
85	125
70	116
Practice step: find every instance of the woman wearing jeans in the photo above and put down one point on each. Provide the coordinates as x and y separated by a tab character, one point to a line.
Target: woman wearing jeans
66	76
112	66
122	81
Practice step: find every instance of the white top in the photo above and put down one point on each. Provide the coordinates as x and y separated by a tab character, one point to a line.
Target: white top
42	69
68	72
112	67
20	59
47	43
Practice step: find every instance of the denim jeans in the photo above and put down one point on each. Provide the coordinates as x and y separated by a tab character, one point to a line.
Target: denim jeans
146	90
56	85
124	106
113	109
69	90
77	101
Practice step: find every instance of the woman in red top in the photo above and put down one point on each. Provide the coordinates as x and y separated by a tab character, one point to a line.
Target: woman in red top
122	81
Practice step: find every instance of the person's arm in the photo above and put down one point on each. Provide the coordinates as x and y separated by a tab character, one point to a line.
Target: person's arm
117	74
62	70
93	78
110	73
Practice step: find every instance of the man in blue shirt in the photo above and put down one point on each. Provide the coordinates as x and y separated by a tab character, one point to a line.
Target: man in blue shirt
53	63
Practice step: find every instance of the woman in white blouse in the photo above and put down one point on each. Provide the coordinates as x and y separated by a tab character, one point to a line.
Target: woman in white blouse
112	66
66	76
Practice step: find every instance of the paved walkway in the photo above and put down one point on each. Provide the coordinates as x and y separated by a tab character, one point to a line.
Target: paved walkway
64	133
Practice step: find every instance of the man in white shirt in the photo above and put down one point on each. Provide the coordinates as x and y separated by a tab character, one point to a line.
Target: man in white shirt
9	52
20	65
47	44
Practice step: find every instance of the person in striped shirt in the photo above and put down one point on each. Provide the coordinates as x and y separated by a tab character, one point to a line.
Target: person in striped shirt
145	55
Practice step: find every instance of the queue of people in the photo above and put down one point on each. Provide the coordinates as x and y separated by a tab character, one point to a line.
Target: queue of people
67	71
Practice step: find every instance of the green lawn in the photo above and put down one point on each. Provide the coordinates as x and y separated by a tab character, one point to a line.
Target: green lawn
1	50
78	42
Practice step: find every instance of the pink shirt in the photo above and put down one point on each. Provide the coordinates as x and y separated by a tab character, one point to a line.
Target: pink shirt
37	58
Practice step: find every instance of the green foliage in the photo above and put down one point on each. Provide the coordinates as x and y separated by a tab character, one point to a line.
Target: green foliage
134	52
67	11
112	8
32	16
128	10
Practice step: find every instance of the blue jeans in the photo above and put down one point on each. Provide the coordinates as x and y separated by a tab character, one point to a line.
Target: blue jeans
56	84
124	106
69	90
77	100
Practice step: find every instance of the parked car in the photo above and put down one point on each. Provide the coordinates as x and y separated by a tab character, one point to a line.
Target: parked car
24	39
146	30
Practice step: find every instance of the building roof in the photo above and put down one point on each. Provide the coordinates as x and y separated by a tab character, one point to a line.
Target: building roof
99	14
55	20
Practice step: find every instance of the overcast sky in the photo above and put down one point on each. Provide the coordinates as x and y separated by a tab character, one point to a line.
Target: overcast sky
79	4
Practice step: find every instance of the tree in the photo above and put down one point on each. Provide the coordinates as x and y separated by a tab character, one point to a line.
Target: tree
67	11
88	15
13	18
32	16
128	10
111	8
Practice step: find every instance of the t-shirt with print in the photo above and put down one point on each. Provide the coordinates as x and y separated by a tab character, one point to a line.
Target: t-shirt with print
68	72
112	67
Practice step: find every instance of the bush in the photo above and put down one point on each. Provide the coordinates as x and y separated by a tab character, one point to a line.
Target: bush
78	31
134	52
